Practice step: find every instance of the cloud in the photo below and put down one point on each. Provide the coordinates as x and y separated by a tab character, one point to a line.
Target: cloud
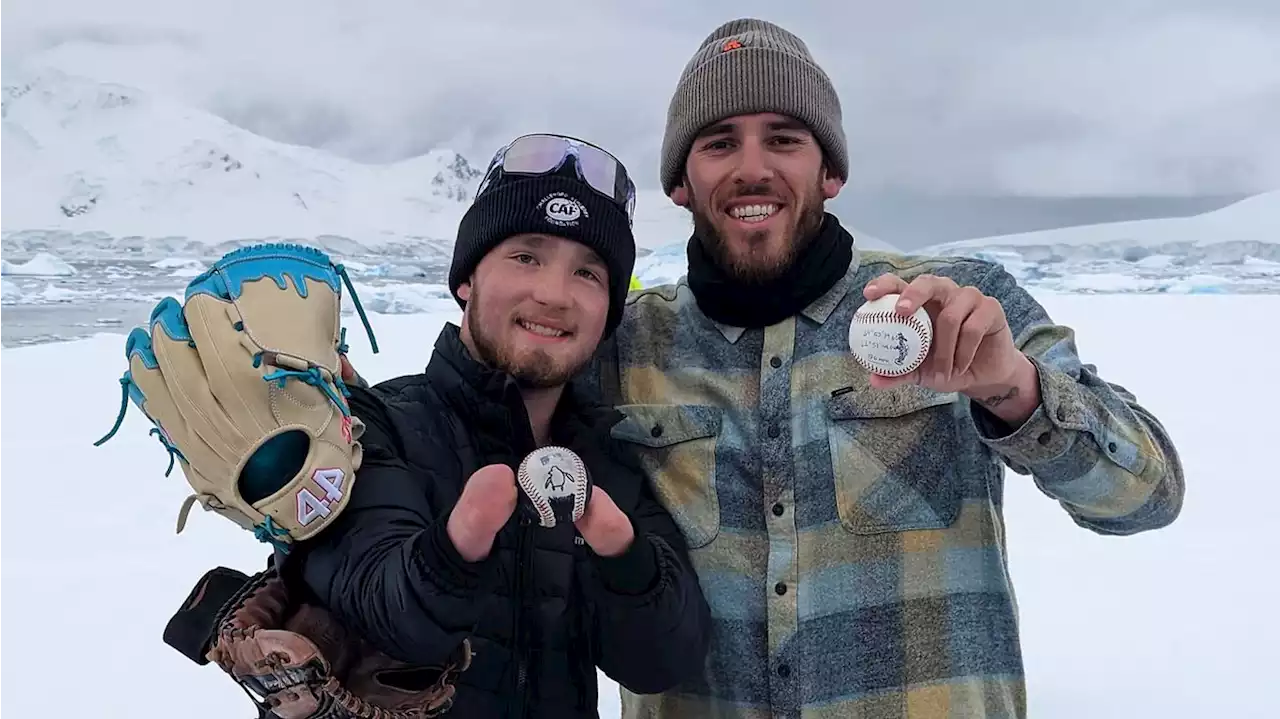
1096	96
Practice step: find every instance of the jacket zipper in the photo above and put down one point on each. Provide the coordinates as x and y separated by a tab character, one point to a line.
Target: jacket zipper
522	562
522	672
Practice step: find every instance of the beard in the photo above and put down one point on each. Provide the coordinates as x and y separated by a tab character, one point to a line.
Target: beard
753	263
531	369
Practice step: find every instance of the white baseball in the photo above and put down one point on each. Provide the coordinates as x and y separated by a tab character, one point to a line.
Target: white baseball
885	342
550	473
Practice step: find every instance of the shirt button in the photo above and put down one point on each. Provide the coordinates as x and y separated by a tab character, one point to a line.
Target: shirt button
775	362
778	510
656	431
774	431
784	671
1044	438
780	588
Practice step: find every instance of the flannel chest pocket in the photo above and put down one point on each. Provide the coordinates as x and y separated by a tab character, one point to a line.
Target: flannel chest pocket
894	459
676	446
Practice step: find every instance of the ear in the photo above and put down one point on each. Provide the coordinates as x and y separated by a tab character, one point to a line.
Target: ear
464	291
831	185
680	195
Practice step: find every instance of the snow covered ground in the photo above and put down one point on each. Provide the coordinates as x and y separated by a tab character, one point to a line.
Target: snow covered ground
1175	623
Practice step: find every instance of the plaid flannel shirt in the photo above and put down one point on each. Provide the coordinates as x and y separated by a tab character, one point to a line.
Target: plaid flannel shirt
849	541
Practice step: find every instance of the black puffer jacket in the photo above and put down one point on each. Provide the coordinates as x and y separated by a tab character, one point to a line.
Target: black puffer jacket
542	611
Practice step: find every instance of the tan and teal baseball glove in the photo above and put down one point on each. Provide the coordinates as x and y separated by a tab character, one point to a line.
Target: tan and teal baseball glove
243	383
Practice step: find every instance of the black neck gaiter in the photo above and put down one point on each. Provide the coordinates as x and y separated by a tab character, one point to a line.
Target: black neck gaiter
732	302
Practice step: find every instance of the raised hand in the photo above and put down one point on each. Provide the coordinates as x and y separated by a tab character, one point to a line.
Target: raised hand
973	351
486	503
604	527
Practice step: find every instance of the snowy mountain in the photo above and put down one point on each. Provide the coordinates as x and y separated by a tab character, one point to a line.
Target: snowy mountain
97	169
1247	227
1234	249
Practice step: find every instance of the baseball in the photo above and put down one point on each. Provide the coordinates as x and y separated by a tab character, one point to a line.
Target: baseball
555	485
886	343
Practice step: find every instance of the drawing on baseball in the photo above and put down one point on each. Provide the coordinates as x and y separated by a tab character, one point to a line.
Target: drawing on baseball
555	485
887	343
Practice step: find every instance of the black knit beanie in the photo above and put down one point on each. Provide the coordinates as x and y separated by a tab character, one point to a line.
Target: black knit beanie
556	204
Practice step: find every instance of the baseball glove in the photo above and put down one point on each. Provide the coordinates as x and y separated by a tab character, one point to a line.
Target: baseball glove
242	382
306	665
296	660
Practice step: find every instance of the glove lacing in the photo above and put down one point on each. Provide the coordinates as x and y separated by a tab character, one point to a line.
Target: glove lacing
268	531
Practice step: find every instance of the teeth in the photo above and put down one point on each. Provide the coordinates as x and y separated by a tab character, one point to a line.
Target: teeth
753	213
542	329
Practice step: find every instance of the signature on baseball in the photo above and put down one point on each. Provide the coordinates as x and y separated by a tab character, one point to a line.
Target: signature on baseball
887	343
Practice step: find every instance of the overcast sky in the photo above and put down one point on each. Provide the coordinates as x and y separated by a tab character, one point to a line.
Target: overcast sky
1032	96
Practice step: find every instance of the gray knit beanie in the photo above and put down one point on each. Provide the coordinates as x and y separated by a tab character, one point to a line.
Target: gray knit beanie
748	66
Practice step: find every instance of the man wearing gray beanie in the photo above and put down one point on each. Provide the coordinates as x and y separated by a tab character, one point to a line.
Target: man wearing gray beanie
847	526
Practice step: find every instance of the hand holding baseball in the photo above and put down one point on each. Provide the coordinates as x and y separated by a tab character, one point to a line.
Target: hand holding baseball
486	503
557	488
607	529
972	347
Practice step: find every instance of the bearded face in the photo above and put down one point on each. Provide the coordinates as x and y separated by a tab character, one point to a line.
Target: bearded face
753	236
536	309
756	186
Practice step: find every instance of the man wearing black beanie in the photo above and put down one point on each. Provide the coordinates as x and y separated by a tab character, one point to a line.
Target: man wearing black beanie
440	546
848	527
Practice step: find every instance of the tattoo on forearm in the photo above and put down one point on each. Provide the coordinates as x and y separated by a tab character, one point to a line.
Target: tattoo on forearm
996	400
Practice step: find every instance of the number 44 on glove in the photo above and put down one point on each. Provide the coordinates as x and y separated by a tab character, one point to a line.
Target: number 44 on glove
243	384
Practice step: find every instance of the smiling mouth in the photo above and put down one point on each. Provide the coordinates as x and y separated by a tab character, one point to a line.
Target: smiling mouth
543	330
754	213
